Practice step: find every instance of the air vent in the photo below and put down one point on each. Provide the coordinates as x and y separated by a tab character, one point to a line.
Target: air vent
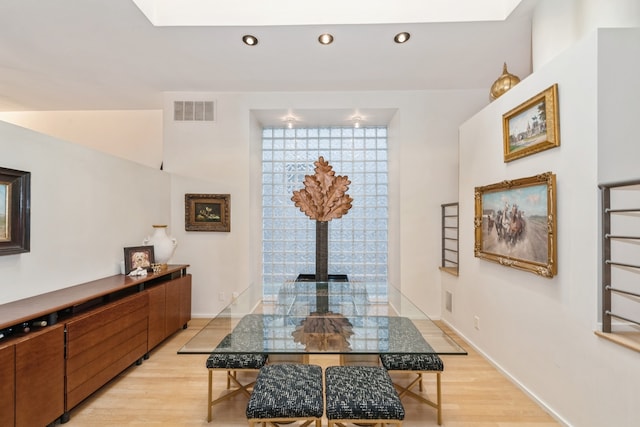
194	111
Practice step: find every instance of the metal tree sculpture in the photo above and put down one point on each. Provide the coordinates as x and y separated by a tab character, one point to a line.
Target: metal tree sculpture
323	198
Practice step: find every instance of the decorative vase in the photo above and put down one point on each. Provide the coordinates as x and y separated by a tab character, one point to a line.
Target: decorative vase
505	82
163	245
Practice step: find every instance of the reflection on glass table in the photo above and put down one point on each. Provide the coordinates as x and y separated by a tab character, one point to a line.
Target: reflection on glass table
322	317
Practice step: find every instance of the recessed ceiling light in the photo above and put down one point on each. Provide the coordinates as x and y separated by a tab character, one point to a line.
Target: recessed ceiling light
290	121
325	38
250	40
401	37
357	121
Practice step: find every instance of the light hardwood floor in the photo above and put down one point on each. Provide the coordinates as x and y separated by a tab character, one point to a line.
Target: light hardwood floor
171	390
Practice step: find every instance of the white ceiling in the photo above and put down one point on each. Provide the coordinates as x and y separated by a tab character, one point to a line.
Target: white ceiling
332	12
105	54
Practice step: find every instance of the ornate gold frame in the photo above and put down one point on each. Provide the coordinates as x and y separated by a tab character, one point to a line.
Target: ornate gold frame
537	231
198	206
520	142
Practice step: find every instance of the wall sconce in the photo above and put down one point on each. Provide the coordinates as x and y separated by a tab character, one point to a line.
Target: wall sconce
357	121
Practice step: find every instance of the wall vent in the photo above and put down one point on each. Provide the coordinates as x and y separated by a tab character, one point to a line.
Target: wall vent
194	111
448	303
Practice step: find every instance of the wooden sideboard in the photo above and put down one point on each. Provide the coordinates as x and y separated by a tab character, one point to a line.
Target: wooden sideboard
94	331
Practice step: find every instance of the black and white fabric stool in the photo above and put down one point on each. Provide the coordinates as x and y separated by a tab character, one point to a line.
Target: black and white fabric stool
286	393
417	364
231	363
361	395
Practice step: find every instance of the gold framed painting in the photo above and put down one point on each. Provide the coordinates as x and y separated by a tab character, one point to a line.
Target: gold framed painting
515	224
532	126
15	211
207	212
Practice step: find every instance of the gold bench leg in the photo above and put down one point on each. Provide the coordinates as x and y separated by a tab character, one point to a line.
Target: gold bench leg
406	391
210	396
439	401
231	378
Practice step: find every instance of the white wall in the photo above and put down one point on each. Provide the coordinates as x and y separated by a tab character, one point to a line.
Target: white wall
223	157
86	206
558	24
538	330
618	105
131	134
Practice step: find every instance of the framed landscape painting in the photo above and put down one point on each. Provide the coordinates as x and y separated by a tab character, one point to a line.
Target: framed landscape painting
15	211
515	224
532	126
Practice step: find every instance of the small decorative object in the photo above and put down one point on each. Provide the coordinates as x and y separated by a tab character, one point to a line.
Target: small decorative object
138	257
163	245
138	272
515	224
15	210
505	82
323	198
532	126
207	212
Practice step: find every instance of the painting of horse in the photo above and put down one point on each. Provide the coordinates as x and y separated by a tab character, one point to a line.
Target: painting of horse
517	224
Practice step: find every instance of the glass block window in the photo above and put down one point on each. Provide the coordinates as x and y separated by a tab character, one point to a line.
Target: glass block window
358	240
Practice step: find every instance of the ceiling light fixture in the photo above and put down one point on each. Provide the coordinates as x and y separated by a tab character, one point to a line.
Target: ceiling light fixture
250	40
401	37
325	38
290	121
357	120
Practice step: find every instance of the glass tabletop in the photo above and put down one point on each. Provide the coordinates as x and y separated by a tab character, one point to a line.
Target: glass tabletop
322	317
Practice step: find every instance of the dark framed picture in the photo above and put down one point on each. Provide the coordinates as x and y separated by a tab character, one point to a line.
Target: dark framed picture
515	224
138	257
15	211
207	212
532	126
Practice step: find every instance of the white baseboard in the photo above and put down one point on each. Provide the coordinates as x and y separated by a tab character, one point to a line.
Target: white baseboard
517	383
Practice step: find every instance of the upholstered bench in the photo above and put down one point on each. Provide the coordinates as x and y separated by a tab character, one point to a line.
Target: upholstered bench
231	363
285	393
361	395
418	364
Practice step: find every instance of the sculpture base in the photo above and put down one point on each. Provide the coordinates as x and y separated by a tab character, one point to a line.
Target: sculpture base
312	278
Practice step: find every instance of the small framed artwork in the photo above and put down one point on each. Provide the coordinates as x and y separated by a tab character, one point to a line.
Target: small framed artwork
532	126
207	212
138	257
515	224
15	211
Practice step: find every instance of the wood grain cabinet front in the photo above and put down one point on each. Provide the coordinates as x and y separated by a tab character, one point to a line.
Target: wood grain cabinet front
95	331
39	377
7	384
102	343
169	308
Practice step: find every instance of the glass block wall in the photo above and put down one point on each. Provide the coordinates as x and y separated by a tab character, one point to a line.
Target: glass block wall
358	240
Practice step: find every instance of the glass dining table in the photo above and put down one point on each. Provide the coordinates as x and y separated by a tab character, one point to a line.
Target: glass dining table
322	318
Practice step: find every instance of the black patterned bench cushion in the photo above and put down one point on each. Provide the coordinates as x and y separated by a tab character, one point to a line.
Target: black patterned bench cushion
223	360
361	393
287	390
412	362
